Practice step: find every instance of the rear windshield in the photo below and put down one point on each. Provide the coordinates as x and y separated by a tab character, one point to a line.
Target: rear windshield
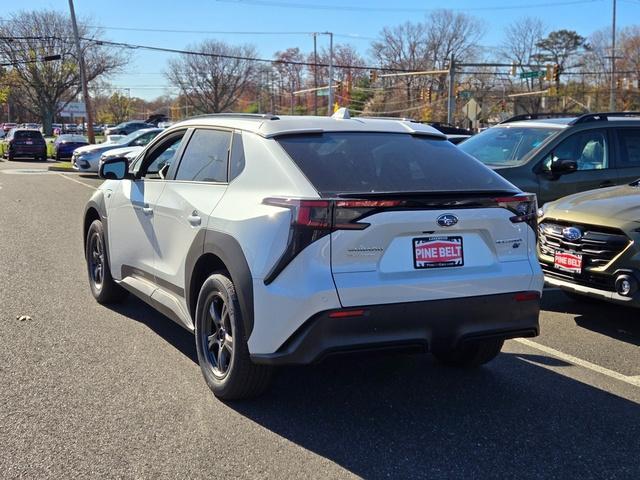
354	162
30	134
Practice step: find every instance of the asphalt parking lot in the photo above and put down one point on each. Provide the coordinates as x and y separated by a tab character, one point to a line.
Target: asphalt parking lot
89	391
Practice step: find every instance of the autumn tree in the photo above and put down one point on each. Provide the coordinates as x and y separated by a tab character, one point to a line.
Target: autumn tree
43	88
289	67
216	77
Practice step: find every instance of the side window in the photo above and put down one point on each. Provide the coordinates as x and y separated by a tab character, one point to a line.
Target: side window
236	162
162	156
629	147
206	157
589	149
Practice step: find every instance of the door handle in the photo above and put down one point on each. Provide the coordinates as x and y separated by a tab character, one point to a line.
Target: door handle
194	219
147	210
606	183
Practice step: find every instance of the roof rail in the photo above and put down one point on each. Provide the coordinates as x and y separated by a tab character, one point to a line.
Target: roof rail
262	116
602	117
537	116
402	119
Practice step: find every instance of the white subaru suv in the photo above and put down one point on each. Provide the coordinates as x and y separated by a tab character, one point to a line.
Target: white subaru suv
280	240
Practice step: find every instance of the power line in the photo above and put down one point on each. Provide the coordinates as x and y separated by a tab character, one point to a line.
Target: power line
356	8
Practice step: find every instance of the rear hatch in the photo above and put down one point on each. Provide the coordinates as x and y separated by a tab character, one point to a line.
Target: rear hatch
412	218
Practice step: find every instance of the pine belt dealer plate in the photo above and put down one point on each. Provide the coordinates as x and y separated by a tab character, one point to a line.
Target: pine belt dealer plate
436	252
567	261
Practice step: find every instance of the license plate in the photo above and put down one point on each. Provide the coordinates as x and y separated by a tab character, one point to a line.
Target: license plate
568	262
435	252
28	142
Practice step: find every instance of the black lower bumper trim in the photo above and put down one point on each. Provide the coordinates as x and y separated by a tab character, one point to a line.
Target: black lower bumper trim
434	325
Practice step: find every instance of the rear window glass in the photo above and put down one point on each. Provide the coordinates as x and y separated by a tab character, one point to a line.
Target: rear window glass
31	134
349	162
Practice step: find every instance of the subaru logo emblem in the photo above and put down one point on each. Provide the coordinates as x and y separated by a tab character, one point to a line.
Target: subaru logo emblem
571	233
447	220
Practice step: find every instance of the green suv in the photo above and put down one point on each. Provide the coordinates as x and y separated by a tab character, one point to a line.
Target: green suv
555	157
589	243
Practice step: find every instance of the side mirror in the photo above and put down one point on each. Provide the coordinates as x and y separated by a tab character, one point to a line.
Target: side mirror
114	169
560	166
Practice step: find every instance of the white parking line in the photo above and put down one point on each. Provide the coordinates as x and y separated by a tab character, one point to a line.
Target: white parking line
77	181
635	381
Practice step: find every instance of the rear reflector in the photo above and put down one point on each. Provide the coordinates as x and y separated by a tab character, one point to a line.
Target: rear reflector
347	313
527	296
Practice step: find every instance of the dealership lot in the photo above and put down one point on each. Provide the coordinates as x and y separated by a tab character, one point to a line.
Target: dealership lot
93	391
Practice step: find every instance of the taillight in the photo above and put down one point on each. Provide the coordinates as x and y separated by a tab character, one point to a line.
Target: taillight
347	213
524	207
313	219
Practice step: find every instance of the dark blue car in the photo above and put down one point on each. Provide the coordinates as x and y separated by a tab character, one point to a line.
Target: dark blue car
64	145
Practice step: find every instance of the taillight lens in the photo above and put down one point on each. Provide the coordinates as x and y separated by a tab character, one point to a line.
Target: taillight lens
524	207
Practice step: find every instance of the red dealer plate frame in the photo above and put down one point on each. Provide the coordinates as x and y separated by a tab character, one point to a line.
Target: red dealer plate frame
567	261
438	252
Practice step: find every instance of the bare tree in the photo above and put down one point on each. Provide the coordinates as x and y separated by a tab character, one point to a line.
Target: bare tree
521	46
216	78
290	72
43	88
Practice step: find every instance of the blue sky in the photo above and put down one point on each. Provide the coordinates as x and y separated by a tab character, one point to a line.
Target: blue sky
356	25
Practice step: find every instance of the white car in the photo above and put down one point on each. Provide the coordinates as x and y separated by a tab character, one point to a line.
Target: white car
280	240
87	158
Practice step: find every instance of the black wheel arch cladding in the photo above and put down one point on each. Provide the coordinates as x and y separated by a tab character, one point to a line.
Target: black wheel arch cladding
230	253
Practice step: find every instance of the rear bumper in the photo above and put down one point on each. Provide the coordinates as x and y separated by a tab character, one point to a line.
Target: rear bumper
434	324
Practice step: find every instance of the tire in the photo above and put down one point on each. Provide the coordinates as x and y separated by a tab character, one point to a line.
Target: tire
222	345
10	157
104	289
472	354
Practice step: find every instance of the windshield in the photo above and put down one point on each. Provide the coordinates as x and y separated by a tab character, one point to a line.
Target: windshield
387	162
130	137
73	138
503	146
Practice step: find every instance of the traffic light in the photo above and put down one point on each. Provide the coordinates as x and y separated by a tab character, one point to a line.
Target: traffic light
556	73
548	76
618	83
373	76
514	69
429	93
456	91
421	94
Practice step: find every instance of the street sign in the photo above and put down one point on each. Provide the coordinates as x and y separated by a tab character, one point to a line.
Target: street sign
72	109
533	74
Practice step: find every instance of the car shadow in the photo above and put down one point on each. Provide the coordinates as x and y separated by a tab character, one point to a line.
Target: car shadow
169	330
405	416
615	321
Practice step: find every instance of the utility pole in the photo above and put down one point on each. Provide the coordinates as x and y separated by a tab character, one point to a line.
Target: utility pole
612	91
330	107
83	75
315	73
451	101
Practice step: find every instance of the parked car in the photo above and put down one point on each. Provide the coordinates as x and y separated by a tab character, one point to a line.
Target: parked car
8	126
64	145
57	128
86	159
589	243
24	143
280	240
126	128
128	152
555	157
69	128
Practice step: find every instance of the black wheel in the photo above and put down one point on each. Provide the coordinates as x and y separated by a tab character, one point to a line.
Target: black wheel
10	157
471	354
57	157
221	343
103	287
